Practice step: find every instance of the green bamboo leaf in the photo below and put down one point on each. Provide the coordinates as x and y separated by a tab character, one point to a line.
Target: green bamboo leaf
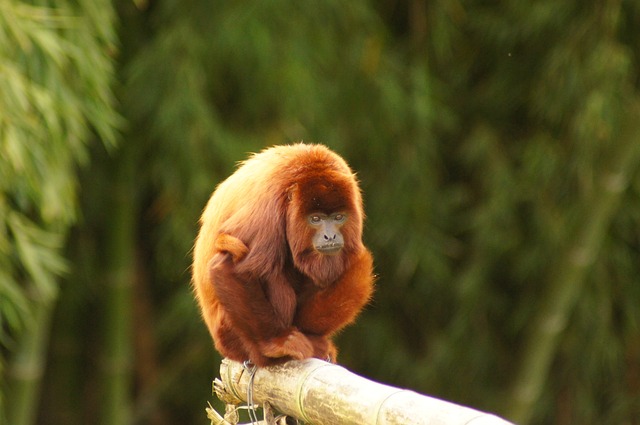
37	252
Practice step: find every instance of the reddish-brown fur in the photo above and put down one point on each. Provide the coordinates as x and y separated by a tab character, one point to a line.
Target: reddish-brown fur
265	293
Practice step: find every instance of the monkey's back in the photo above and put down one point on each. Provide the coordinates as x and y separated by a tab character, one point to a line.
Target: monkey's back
251	205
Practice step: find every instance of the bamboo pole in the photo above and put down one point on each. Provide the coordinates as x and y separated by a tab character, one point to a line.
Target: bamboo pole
24	373
569	277
318	392
119	258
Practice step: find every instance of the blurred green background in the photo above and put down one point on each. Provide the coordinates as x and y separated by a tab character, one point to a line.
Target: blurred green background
497	144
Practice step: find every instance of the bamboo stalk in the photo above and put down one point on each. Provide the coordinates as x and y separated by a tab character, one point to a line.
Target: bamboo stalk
27	365
568	279
118	294
318	392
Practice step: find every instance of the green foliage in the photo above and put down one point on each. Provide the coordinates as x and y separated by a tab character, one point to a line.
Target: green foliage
56	72
55	86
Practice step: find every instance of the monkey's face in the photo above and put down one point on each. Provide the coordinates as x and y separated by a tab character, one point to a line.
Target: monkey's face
318	242
324	223
327	237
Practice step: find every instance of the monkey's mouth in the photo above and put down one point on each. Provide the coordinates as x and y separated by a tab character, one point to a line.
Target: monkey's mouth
329	249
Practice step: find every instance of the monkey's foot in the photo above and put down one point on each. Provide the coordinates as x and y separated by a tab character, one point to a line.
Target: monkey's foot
293	344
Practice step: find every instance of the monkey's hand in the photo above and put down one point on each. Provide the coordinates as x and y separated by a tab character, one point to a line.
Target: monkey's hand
292	344
323	348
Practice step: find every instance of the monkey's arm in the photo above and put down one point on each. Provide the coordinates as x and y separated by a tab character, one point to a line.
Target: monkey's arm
249	309
333	308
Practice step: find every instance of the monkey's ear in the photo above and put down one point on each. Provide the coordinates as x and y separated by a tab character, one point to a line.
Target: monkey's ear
290	190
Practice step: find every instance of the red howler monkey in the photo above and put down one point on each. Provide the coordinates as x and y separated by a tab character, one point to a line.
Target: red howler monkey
279	264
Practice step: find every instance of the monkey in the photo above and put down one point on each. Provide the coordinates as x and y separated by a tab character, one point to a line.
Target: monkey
279	263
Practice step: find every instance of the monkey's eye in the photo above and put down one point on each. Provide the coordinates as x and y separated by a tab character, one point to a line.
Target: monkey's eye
339	218
315	219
